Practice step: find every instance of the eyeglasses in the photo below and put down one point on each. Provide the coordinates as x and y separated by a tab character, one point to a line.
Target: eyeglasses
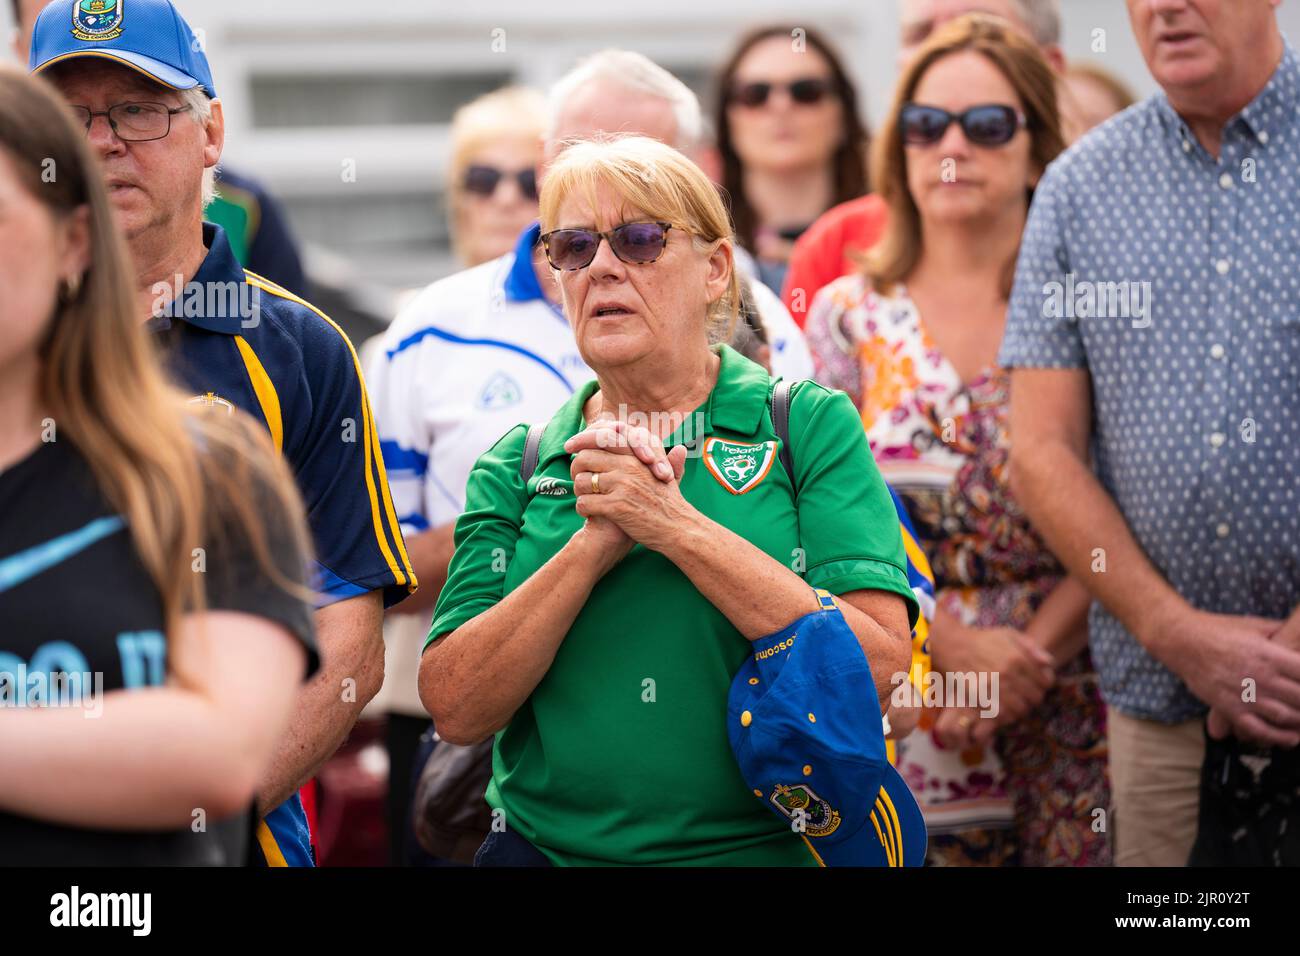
806	91
134	122
636	243
483	181
990	125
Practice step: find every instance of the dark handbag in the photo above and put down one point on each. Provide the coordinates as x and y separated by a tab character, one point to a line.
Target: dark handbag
1250	806
452	818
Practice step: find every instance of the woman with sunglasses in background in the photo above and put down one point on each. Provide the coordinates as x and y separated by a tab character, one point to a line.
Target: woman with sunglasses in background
604	592
153	554
791	142
914	339
496	146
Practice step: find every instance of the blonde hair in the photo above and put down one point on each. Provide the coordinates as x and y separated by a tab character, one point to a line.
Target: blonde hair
510	113
660	182
176	478
896	254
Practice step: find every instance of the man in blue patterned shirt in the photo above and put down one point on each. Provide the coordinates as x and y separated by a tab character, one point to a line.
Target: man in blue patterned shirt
1154	330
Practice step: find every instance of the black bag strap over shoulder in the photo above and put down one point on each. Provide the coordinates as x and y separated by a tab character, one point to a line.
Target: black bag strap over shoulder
532	448
781	422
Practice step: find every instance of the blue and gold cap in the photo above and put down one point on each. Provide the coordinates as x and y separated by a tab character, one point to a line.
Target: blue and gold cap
149	36
804	723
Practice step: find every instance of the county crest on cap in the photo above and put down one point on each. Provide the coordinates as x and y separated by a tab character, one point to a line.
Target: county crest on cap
738	467
800	802
97	20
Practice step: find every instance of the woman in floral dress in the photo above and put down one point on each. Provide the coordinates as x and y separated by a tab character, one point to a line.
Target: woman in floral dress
1012	773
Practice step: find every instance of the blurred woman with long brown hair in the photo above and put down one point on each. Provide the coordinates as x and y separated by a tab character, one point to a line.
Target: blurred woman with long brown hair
153	556
790	139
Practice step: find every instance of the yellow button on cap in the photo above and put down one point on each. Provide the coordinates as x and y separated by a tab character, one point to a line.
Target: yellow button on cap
746	719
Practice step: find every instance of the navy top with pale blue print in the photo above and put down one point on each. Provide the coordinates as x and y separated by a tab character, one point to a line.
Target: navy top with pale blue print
80	616
1173	277
236	339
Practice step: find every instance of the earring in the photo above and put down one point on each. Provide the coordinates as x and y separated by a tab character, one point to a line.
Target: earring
71	288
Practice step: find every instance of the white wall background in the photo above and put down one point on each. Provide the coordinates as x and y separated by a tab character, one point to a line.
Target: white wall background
339	81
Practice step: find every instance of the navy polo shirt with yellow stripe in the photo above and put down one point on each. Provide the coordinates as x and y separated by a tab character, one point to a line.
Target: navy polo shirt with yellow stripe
620	754
234	339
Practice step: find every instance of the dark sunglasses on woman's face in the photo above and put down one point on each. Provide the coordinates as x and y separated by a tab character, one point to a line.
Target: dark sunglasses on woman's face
636	243
806	91
990	125
483	181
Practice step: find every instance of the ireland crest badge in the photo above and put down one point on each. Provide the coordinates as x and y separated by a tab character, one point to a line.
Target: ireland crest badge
97	20
738	467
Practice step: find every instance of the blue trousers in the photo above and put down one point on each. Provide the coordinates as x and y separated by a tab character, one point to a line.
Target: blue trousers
507	848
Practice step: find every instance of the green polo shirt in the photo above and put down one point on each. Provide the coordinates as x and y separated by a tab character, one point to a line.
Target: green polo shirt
620	755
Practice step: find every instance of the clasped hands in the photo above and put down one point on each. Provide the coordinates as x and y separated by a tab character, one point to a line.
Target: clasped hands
627	485
1026	672
1248	670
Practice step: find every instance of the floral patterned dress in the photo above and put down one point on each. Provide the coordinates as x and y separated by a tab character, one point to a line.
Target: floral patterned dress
943	445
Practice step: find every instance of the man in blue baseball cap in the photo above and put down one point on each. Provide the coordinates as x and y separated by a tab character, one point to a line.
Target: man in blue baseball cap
804	722
137	76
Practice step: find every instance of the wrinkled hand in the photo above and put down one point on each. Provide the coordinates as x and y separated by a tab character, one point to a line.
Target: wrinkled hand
609	538
1286	636
1216	653
638	481
1025	670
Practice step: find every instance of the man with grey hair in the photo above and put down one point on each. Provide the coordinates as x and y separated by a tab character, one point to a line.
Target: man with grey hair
618	91
257	227
142	87
1155	443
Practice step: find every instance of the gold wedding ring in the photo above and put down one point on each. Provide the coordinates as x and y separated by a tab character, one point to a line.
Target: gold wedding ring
595	482
964	721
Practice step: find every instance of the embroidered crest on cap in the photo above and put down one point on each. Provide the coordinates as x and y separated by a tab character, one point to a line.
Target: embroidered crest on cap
801	803
95	21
